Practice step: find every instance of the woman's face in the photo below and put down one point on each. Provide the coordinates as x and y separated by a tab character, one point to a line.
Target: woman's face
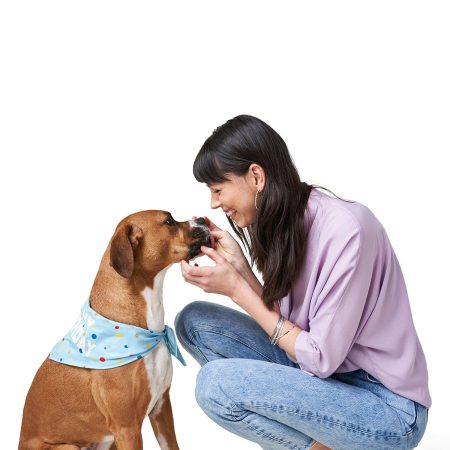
236	198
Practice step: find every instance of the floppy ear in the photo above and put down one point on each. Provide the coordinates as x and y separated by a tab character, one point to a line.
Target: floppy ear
124	241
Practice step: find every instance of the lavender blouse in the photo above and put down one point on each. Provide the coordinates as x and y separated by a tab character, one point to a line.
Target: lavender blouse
351	302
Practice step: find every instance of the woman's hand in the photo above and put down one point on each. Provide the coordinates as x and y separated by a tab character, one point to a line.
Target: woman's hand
225	245
222	278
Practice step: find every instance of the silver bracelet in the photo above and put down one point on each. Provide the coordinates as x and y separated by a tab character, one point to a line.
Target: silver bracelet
284	334
277	331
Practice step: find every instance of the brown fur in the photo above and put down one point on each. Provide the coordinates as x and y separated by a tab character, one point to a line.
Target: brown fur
71	407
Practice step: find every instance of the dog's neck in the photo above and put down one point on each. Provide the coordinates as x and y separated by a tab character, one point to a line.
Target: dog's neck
154	300
136	301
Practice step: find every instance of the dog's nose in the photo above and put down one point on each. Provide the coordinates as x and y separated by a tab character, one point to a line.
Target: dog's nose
200	221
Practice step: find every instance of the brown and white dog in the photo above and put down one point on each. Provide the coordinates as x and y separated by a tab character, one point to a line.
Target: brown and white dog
75	408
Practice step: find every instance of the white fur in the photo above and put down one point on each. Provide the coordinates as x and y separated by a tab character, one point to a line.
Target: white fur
104	445
158	362
162	442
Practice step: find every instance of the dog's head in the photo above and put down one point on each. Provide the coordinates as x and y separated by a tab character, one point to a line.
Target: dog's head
149	241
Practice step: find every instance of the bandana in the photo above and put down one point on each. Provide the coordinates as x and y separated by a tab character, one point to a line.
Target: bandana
95	342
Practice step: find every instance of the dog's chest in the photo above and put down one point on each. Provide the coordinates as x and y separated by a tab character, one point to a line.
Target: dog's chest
158	362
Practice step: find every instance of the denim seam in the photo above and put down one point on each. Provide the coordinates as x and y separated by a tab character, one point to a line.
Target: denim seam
235	338
276	439
352	428
193	347
411	427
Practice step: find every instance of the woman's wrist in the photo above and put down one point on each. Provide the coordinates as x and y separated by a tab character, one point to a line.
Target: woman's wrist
247	299
247	273
240	263
241	291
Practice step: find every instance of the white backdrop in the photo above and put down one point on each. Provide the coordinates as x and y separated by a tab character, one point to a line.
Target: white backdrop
104	105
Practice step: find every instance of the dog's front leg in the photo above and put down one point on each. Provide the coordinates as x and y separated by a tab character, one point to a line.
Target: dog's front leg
161	418
128	440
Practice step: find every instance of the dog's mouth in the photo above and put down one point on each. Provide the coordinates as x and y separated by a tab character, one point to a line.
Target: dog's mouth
203	237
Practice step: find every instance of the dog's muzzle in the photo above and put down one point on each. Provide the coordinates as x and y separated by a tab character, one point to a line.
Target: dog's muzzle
200	232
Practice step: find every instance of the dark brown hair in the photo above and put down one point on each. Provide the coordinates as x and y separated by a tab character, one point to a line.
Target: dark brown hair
276	241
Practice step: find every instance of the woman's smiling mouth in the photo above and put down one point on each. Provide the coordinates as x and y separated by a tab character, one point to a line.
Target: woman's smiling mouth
231	213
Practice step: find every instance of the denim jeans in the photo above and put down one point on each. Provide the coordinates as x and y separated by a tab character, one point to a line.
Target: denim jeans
255	391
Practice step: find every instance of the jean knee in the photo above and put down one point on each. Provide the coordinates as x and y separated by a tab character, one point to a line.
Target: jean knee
209	392
185	319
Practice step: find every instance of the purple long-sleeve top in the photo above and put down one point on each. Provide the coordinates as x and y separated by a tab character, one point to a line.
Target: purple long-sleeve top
351	302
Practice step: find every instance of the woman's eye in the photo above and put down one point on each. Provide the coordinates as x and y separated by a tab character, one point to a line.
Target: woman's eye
216	191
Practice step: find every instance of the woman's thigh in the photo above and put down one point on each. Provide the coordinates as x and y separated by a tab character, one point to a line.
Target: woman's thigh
237	393
210	331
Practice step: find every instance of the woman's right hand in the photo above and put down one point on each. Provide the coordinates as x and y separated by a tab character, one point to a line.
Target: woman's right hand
225	244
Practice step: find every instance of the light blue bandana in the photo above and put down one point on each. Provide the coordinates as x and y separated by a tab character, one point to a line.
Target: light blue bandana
95	342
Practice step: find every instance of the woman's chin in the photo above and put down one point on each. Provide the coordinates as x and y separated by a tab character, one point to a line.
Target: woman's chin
242	223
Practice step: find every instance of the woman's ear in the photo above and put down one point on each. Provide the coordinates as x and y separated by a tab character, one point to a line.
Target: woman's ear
258	176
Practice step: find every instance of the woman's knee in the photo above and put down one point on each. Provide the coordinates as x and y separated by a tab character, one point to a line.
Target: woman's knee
210	393
186	319
197	315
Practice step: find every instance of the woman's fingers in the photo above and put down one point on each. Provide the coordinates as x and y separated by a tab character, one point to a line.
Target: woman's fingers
213	254
218	234
212	226
196	271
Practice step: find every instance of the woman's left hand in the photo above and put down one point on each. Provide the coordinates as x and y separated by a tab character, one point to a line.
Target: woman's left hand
222	278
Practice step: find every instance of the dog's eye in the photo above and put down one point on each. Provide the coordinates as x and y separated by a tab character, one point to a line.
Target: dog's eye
170	221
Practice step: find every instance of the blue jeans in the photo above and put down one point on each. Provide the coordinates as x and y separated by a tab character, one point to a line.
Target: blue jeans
254	390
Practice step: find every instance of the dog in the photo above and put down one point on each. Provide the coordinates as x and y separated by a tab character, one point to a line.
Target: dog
80	400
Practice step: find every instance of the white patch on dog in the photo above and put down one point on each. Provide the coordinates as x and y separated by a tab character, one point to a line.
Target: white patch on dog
104	445
158	362
162	442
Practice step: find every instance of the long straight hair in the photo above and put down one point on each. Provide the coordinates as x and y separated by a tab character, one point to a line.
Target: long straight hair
276	241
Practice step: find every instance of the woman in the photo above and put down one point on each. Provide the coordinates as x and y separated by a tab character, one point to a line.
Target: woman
327	355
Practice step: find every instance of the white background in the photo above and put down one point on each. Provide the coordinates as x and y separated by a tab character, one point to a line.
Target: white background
105	104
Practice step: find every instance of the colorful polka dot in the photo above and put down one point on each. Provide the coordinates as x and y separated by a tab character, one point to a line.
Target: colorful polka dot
94	336
126	346
102	359
81	351
116	327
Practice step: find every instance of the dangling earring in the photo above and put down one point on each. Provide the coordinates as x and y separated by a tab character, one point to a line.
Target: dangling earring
256	196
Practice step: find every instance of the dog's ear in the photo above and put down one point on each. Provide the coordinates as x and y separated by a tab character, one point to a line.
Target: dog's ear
123	243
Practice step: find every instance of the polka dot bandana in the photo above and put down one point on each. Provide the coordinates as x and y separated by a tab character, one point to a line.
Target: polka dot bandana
95	342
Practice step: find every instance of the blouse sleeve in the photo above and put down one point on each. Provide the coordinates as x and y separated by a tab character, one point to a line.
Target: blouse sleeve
344	278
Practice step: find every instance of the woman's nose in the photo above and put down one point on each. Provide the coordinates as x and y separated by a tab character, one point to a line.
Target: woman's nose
214	204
